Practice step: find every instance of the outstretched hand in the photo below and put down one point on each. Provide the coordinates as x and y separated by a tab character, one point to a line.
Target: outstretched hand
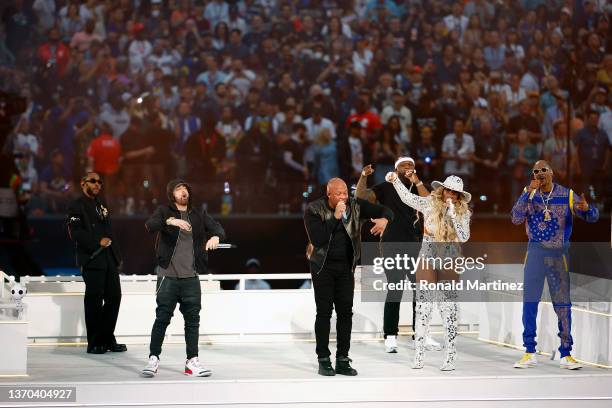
583	205
379	226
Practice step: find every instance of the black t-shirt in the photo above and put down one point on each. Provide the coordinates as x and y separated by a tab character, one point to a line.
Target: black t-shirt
403	228
340	247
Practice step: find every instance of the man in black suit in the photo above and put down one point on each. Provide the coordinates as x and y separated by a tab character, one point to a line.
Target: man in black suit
98	256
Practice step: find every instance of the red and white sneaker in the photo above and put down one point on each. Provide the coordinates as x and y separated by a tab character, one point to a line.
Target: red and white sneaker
151	369
193	368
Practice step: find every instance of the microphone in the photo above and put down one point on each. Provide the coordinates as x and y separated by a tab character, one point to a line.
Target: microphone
450	210
345	212
532	194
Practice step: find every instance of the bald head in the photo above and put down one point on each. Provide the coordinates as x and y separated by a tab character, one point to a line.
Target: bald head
336	191
336	183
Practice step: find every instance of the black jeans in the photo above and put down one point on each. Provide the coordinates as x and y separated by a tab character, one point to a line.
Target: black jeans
393	302
334	286
187	293
102	300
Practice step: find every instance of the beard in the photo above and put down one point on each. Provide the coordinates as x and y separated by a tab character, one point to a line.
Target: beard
182	200
404	179
91	192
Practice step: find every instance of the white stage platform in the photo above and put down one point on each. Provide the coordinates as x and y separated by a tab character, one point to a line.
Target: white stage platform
284	374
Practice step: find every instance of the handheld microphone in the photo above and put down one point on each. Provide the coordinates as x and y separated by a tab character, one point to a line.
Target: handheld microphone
450	209
532	194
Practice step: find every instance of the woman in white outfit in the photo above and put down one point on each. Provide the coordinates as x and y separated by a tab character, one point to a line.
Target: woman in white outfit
447	224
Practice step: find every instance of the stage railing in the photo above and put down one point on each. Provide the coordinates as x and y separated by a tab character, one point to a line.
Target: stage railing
242	278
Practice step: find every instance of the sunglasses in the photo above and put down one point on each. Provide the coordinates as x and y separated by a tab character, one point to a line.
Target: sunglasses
542	170
94	181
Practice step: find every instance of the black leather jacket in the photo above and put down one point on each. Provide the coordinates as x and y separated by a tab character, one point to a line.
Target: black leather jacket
320	222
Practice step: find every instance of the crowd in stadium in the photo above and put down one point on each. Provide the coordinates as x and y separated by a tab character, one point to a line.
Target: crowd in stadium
258	103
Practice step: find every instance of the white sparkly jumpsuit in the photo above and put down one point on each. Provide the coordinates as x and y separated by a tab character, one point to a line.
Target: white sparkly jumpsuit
446	300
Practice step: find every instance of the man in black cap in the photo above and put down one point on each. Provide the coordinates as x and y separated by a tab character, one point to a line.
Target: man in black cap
98	256
183	237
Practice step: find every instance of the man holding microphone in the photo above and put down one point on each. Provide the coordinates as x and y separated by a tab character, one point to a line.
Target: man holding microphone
333	225
184	237
547	209
406	228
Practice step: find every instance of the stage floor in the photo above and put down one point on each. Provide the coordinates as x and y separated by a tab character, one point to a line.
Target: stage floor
269	374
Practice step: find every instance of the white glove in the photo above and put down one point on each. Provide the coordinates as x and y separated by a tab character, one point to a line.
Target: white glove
391	176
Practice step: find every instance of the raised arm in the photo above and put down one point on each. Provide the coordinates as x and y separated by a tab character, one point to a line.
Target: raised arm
362	190
318	230
520	209
418	203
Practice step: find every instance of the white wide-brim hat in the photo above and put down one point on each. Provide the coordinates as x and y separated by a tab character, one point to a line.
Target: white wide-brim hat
453	183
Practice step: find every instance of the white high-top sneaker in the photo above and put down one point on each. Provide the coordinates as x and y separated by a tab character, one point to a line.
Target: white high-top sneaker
151	369
194	368
391	344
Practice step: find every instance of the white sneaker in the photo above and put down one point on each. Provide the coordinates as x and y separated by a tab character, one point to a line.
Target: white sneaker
391	344
447	366
151	369
432	345
569	363
194	369
527	361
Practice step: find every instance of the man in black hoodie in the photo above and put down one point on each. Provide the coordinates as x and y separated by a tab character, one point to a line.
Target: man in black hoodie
184	236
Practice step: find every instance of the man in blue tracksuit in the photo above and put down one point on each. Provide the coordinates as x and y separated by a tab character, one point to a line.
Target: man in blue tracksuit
547	209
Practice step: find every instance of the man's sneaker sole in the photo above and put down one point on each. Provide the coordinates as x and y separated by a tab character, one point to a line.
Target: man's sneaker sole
578	367
531	365
190	373
391	350
148	374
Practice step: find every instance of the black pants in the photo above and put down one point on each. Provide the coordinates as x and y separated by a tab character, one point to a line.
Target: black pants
102	300
334	286
187	293
393	302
